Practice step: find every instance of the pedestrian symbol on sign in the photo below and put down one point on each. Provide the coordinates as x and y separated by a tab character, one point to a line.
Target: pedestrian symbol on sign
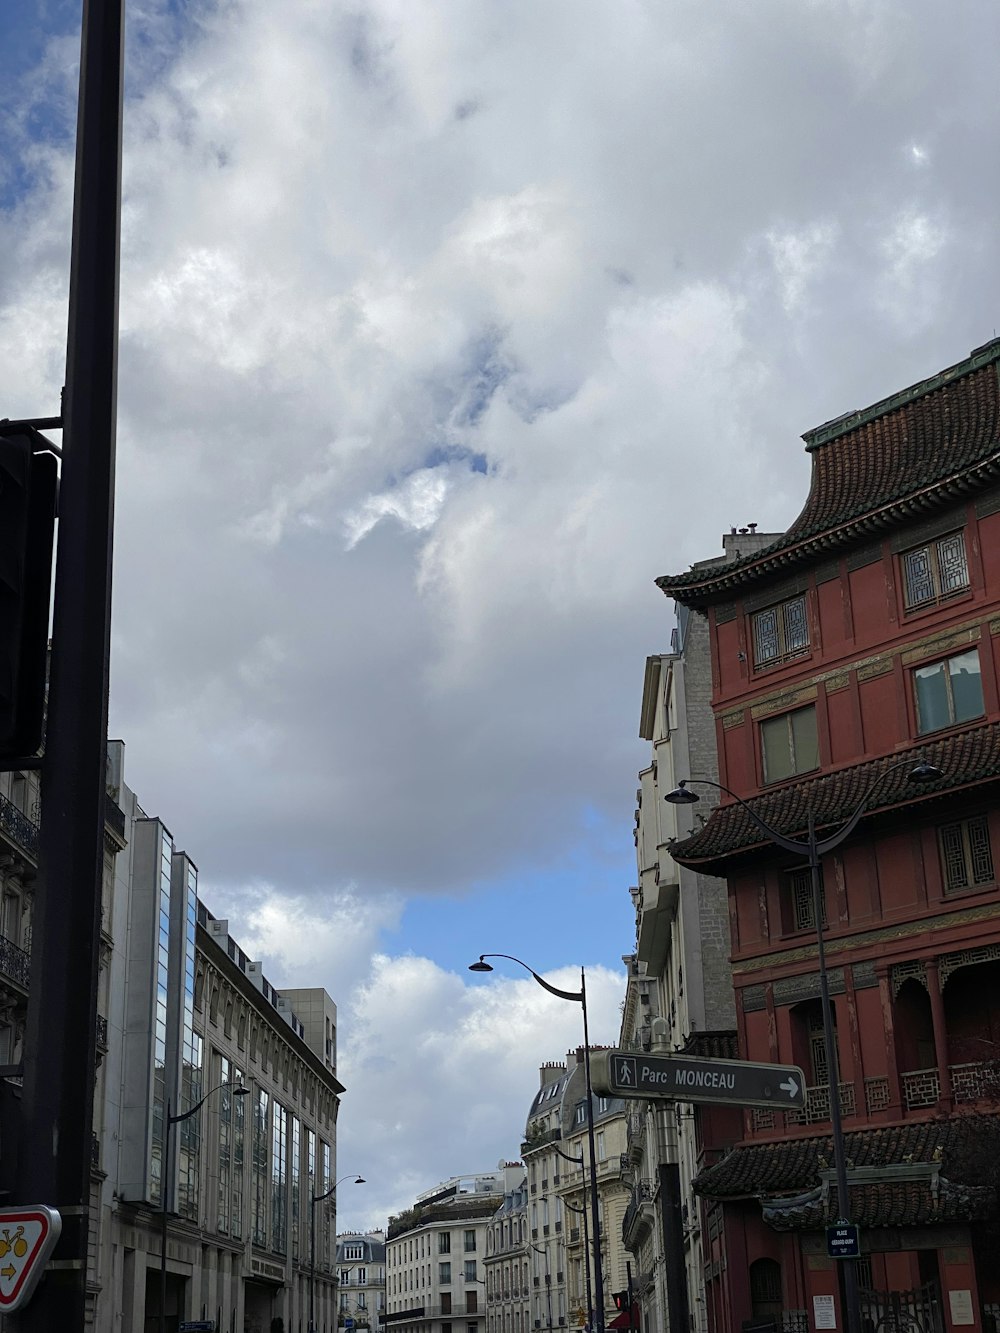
626	1073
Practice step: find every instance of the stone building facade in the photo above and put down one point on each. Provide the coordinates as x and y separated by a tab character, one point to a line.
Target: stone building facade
435	1253
679	977
556	1156
361	1281
190	1016
508	1280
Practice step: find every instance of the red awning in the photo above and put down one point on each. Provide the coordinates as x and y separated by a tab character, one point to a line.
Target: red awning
623	1321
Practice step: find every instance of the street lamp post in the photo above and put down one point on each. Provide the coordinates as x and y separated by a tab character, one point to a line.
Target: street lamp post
237	1090
581	997
314	1199
548	1280
586	1232
815	848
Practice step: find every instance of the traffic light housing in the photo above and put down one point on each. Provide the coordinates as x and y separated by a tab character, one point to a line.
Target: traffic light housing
27	521
620	1299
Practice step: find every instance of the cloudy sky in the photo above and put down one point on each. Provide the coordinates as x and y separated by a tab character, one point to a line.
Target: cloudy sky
446	327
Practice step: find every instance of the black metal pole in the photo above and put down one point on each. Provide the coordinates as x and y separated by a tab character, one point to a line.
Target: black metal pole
852	1313
312	1259
60	1038
168	1125
586	1250
672	1229
594	1204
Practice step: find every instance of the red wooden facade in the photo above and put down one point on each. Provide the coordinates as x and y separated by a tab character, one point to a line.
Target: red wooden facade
866	636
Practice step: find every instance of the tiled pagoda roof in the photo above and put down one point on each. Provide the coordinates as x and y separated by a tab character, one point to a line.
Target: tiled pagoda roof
965	1149
721	1044
886	1203
964	757
904	456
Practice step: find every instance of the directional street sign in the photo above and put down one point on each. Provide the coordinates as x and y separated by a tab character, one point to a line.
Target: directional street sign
27	1238
688	1078
843	1241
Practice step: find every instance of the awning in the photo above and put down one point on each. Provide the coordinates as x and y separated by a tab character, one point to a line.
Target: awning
624	1321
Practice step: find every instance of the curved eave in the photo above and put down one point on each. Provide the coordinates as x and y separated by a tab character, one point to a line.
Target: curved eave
968	759
704	591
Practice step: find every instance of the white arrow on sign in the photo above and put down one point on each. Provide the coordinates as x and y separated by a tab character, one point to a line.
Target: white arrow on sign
789	1086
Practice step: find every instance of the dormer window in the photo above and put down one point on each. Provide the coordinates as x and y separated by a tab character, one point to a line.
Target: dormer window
780	632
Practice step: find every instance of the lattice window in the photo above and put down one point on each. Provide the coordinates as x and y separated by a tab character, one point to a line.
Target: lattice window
966	855
800	899
765	1285
780	632
989	953
817	1048
936	571
863	1269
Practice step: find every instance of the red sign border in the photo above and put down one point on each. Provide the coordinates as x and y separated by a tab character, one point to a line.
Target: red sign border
28	1263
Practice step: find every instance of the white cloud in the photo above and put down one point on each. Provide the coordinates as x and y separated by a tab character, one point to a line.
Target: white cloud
445	329
416	503
453	1066
798	257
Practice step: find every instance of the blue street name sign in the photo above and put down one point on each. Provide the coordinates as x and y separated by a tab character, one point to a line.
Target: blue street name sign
843	1241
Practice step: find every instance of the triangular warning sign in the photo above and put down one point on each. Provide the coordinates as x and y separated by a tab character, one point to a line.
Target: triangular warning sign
27	1238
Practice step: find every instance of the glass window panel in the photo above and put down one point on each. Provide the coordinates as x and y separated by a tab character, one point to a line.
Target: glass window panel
805	745
776	750
966	686
933	709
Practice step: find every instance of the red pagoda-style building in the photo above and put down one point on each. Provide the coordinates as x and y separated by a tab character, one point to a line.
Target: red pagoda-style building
868	634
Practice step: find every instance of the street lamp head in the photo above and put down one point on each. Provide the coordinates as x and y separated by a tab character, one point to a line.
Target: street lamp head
481	966
680	794
924	772
361	1181
240	1091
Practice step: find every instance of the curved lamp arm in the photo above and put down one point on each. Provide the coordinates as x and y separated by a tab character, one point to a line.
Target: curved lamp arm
237	1089
922	772
483	966
318	1198
578	1160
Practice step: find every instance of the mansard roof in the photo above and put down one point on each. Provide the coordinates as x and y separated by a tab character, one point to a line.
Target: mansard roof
964	757
872	470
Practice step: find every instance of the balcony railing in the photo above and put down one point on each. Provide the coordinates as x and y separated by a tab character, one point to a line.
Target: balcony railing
921	1087
642	1192
969	1083
19	827
114	816
14	962
817	1107
876	1094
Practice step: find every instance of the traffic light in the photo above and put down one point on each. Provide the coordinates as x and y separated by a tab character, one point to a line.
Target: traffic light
27	518
620	1299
